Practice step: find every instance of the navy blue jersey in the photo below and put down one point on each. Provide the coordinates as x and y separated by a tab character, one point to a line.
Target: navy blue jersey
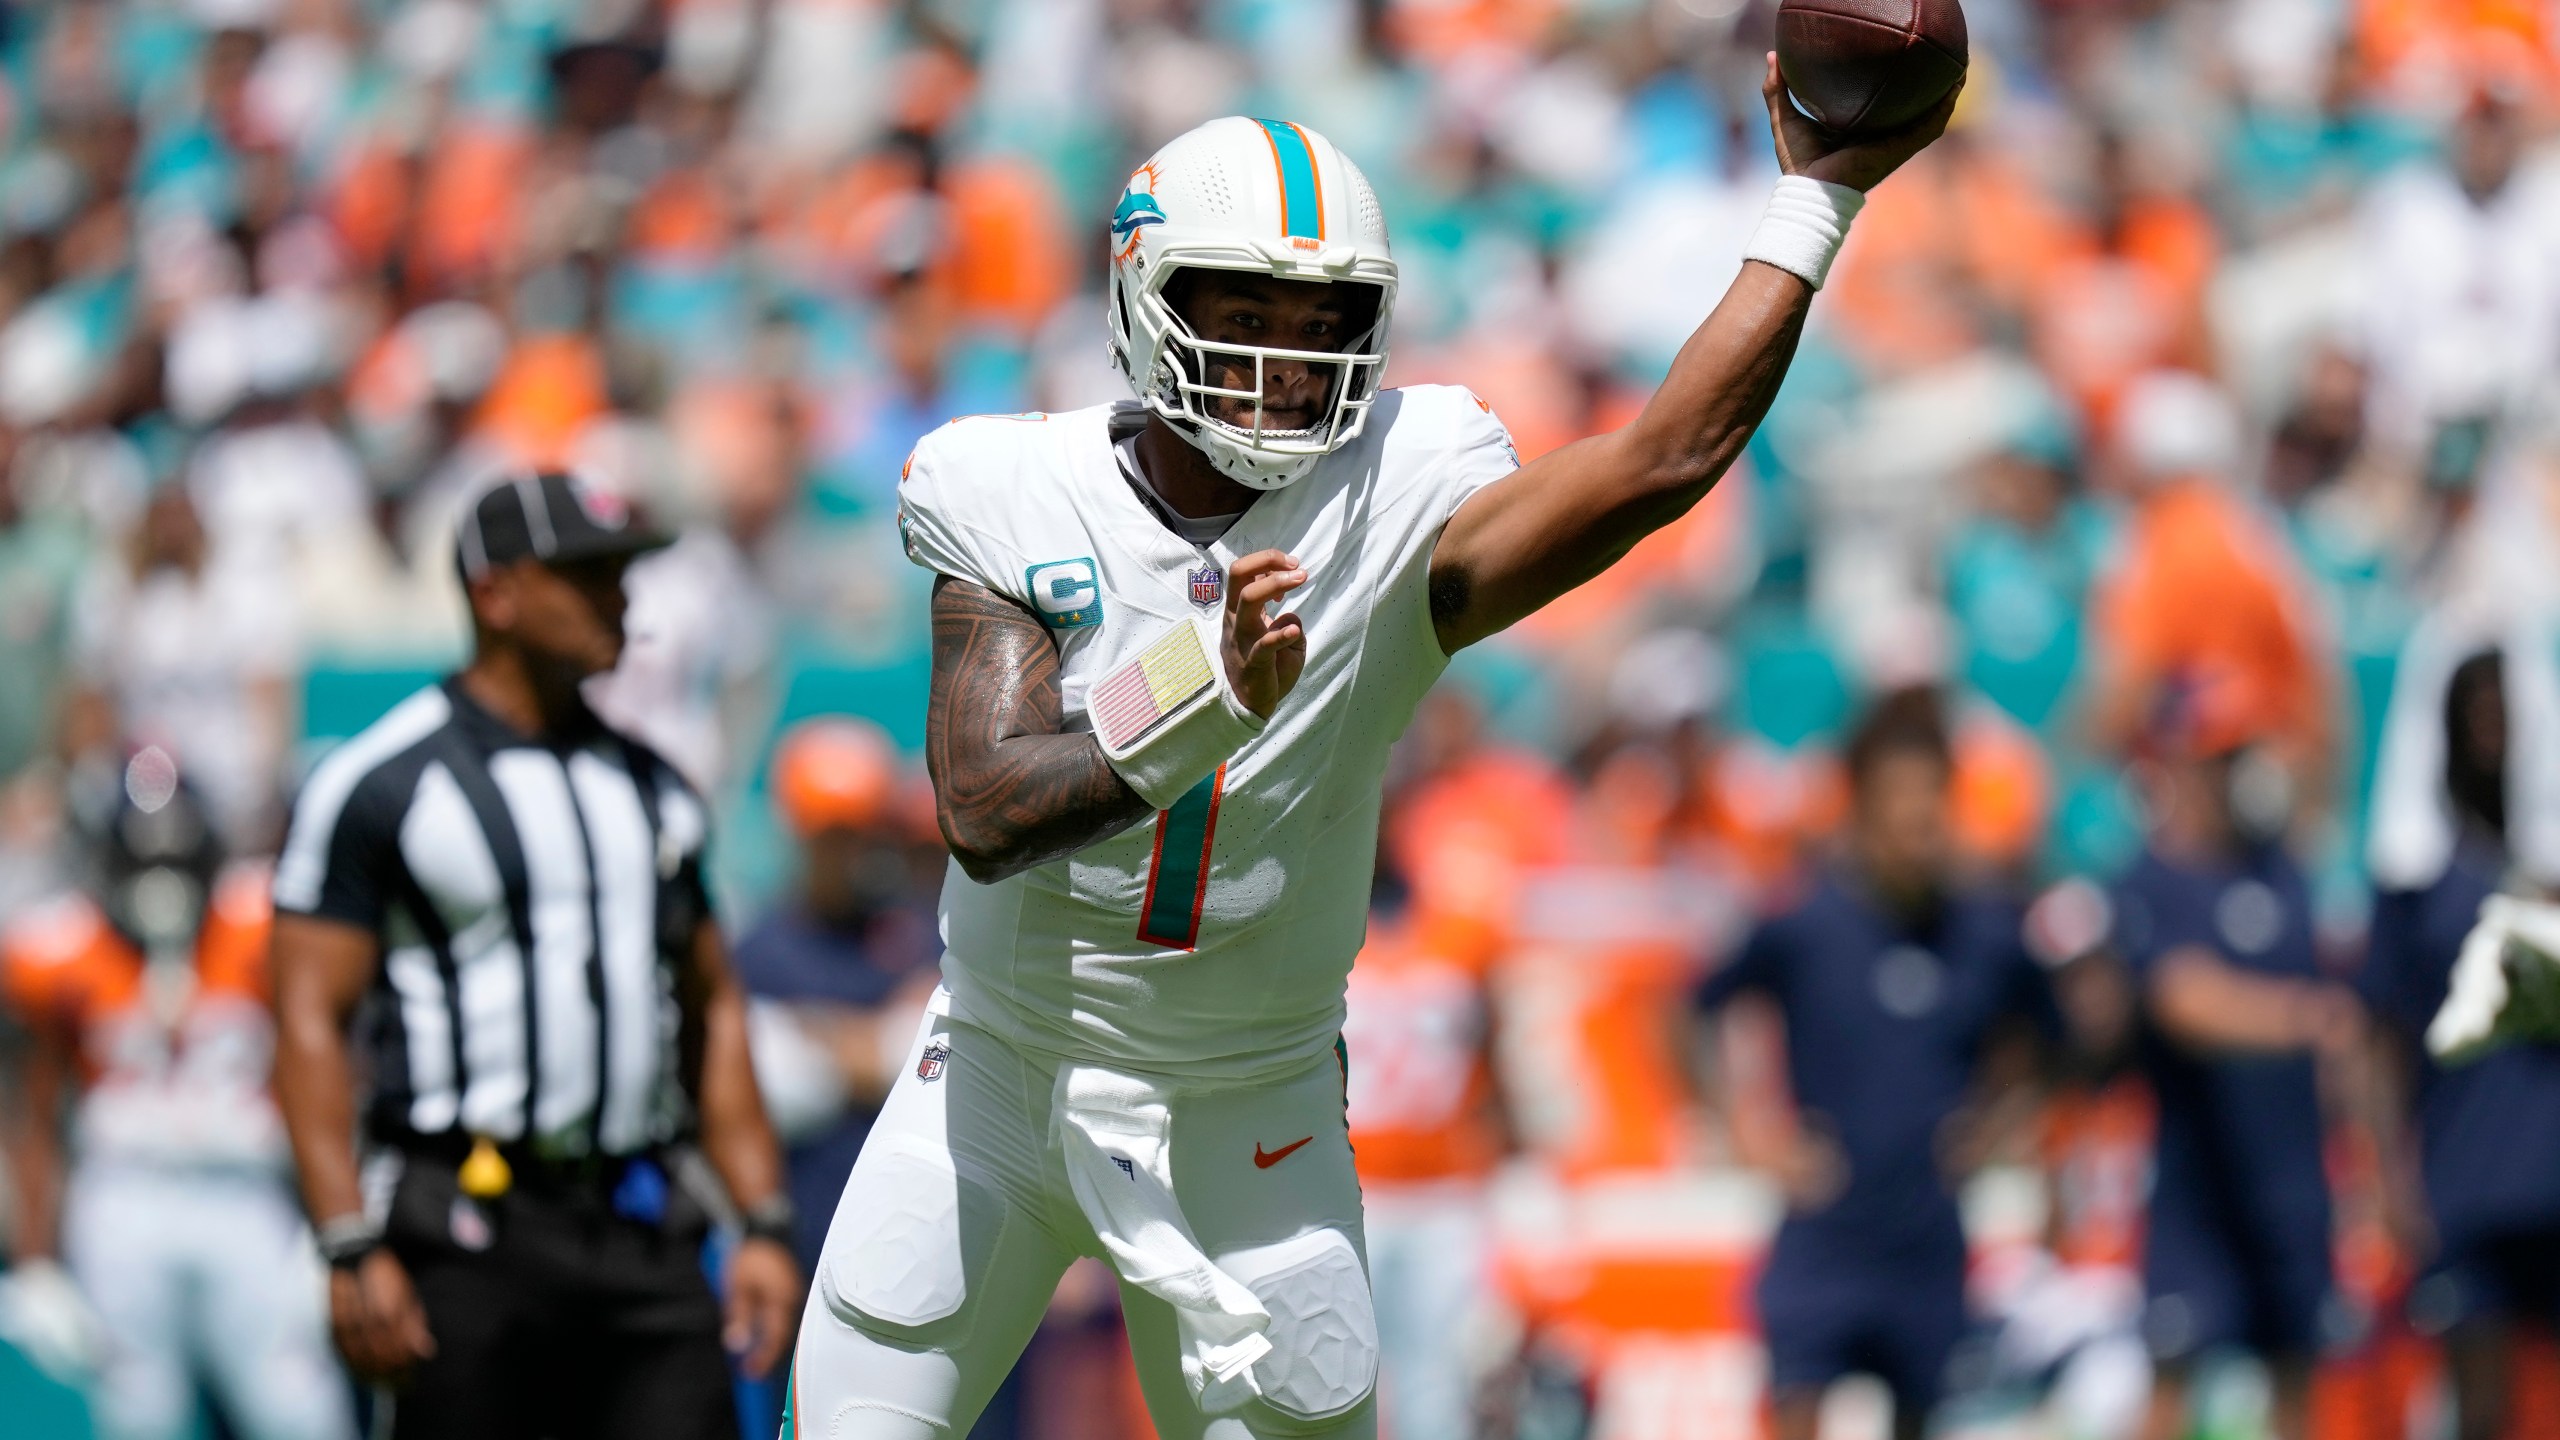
2239	1134
793	957
1885	1018
2488	1132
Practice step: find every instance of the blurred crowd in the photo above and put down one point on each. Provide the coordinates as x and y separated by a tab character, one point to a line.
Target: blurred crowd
2210	367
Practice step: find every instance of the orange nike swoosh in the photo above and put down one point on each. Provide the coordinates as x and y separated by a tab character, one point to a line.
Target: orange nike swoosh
1263	1161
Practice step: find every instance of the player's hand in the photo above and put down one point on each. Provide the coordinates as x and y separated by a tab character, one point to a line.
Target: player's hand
1965	1141
1815	1173
375	1317
1805	148
1263	653
1803	1159
2332	1024
764	1295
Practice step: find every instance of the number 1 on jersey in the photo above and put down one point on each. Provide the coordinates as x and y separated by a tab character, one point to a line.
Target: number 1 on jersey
1178	876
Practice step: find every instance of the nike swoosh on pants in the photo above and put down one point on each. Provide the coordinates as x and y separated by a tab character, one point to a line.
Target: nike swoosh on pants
1265	1160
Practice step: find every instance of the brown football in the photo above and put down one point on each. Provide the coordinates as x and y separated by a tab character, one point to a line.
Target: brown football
1862	66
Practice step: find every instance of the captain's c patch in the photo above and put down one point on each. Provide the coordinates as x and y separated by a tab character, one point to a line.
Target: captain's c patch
1067	593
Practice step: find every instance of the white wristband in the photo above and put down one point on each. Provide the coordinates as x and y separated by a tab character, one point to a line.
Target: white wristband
1802	229
1166	717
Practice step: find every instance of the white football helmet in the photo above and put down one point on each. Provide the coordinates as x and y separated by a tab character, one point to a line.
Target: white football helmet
1274	198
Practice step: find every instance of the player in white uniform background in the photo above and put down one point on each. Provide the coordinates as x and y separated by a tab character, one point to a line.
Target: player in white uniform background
166	1192
1162	799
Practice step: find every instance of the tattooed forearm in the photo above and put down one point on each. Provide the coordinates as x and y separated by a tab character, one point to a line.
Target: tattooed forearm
1011	791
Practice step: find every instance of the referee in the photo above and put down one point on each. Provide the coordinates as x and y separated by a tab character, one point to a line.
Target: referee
508	895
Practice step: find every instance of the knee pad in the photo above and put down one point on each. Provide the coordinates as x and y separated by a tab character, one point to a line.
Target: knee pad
1324	1331
911	1242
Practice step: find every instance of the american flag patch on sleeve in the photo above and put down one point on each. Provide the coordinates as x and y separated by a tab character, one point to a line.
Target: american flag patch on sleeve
1138	696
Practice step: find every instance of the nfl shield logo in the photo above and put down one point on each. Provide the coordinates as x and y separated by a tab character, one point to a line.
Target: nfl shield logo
936	1057
1208	584
603	506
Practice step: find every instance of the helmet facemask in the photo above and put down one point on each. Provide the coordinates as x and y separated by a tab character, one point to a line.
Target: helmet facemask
1248	449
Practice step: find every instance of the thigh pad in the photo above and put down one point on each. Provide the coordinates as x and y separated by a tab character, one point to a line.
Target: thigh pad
1324	1332
913	1240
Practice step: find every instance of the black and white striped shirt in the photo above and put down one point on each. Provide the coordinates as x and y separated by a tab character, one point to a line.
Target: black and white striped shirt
533	899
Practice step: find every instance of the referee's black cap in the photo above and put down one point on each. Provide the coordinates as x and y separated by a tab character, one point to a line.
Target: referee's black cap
554	518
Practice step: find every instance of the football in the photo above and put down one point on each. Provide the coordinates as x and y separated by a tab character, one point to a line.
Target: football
1864	66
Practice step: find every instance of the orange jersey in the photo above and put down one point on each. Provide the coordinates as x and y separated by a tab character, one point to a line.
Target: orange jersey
174	1067
1420	1085
1595	1000
2097	1147
1464	837
1419	1018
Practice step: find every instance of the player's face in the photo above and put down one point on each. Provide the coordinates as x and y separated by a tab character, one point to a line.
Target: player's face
2189	798
2486	146
1235	308
2481	738
1902	819
570	614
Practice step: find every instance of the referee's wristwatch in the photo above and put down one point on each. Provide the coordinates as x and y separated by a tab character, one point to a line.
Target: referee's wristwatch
346	1240
772	1218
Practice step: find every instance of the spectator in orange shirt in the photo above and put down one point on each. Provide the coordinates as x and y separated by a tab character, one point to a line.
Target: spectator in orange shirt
2204	587
2134	299
1954	250
2415	46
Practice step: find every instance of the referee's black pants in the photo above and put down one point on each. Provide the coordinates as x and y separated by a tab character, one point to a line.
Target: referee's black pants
555	1318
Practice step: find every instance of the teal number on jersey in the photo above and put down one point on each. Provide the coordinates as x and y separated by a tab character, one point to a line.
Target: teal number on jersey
1178	877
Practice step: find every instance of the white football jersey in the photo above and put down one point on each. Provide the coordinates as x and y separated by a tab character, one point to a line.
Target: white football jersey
1215	939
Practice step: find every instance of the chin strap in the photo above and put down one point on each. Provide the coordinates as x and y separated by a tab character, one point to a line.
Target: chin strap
1238	464
1233	462
1236	467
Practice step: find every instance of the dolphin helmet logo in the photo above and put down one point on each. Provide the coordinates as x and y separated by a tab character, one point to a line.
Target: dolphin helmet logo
1137	209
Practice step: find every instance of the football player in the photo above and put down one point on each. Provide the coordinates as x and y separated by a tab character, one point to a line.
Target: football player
153	1161
1162	800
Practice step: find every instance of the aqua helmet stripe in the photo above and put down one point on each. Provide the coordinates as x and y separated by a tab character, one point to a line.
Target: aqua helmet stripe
1301	194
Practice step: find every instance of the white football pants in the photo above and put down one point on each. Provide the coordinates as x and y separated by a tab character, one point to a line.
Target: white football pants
196	1273
958	1221
1428	1254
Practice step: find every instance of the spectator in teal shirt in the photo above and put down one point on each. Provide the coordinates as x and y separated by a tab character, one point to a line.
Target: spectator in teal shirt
2282	162
2018	575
